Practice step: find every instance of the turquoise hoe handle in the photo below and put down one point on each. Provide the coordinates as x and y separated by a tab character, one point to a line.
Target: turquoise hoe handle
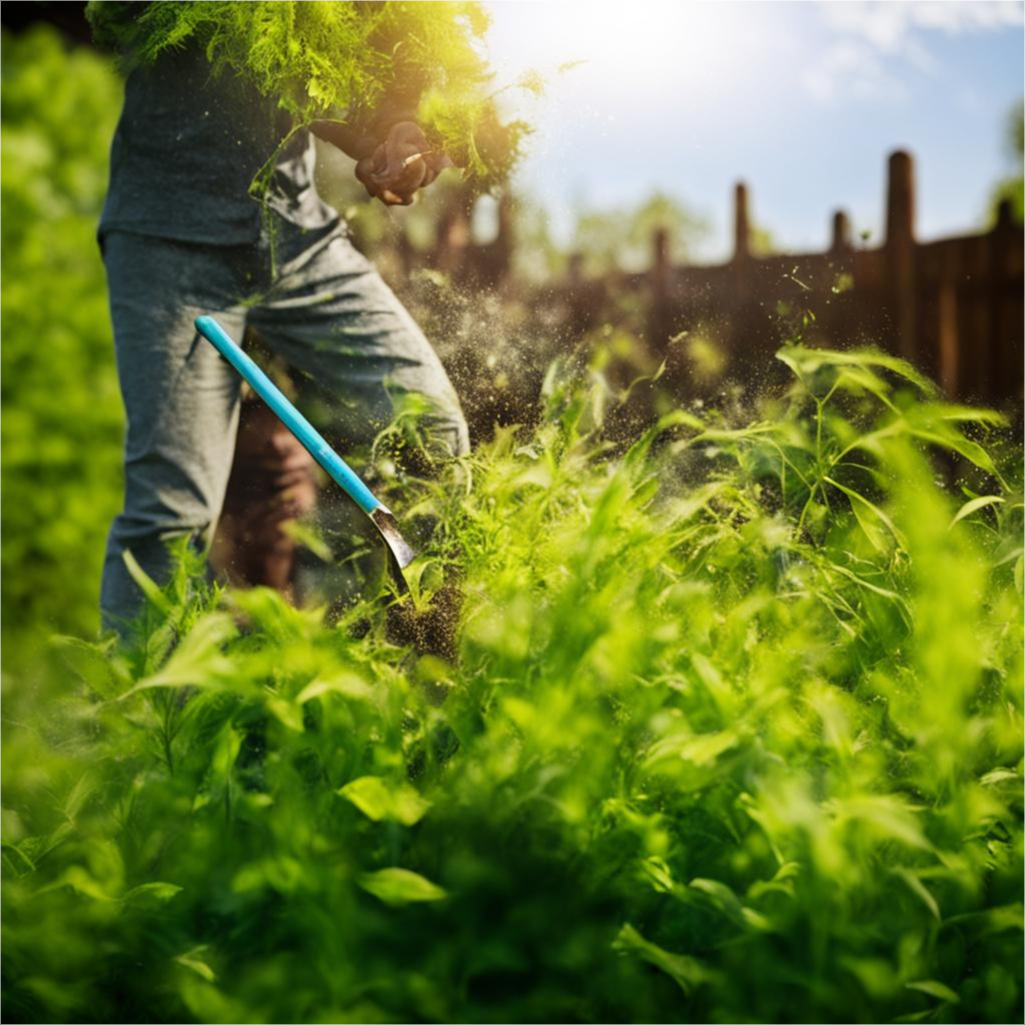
336	466
401	553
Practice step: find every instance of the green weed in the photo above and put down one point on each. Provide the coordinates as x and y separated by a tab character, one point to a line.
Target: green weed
734	733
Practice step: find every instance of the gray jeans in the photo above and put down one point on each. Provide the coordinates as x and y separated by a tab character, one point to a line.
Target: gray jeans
327	313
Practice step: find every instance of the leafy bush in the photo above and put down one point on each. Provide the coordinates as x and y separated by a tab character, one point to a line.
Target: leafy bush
62	413
734	734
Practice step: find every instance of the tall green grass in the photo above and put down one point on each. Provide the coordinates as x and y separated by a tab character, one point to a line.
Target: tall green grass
733	733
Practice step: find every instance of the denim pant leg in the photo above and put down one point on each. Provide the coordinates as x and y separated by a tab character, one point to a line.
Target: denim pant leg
181	401
332	317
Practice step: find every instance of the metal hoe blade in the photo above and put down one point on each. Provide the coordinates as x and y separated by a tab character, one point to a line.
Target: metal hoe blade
400	552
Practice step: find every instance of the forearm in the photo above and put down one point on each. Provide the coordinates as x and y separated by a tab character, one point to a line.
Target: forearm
350	139
359	136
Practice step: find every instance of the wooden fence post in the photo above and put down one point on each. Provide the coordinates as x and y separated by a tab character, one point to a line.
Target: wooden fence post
658	322
452	238
741	224
743	318
900	250
836	309
575	269
946	324
841	242
740	267
1005	334
506	240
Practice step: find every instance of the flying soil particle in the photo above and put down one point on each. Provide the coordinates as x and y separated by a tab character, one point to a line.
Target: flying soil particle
431	630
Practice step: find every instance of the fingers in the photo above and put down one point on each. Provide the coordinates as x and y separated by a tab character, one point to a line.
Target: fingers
404	167
400	166
404	139
365	173
412	178
392	189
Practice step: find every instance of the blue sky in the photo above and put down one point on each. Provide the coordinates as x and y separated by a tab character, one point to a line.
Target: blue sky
802	100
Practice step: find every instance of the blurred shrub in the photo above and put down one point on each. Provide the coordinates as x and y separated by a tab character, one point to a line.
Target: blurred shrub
621	239
61	411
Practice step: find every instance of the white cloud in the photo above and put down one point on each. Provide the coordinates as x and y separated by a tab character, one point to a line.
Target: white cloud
893	26
874	41
853	68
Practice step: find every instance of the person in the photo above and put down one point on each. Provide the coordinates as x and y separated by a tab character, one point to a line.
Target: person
181	236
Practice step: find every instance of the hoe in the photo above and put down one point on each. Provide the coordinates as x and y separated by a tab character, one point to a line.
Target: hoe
400	552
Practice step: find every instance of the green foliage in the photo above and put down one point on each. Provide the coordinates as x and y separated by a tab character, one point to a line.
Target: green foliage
1016	130
621	239
62	412
1013	188
314	57
734	734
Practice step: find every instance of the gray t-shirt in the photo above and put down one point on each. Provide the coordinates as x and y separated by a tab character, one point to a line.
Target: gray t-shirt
187	148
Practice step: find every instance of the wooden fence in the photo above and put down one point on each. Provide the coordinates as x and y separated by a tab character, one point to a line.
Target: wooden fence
953	307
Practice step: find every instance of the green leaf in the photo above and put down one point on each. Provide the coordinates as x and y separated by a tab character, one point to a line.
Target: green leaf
883	592
889	816
380	800
723	898
193	960
935	989
701	750
348	685
656	871
675	418
91	662
687	972
288	713
805	362
971	450
997	776
85	786
151	891
860	504
1010	554
198	660
970	414
398	886
16	862
145	583
920	890
974	506
991	920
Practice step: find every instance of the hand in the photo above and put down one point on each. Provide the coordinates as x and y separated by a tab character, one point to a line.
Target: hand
401	165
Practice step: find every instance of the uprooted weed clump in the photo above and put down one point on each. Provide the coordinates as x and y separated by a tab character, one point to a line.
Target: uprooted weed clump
731	732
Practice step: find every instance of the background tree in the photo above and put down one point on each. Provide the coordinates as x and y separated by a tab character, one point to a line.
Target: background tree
620	237
1013	188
